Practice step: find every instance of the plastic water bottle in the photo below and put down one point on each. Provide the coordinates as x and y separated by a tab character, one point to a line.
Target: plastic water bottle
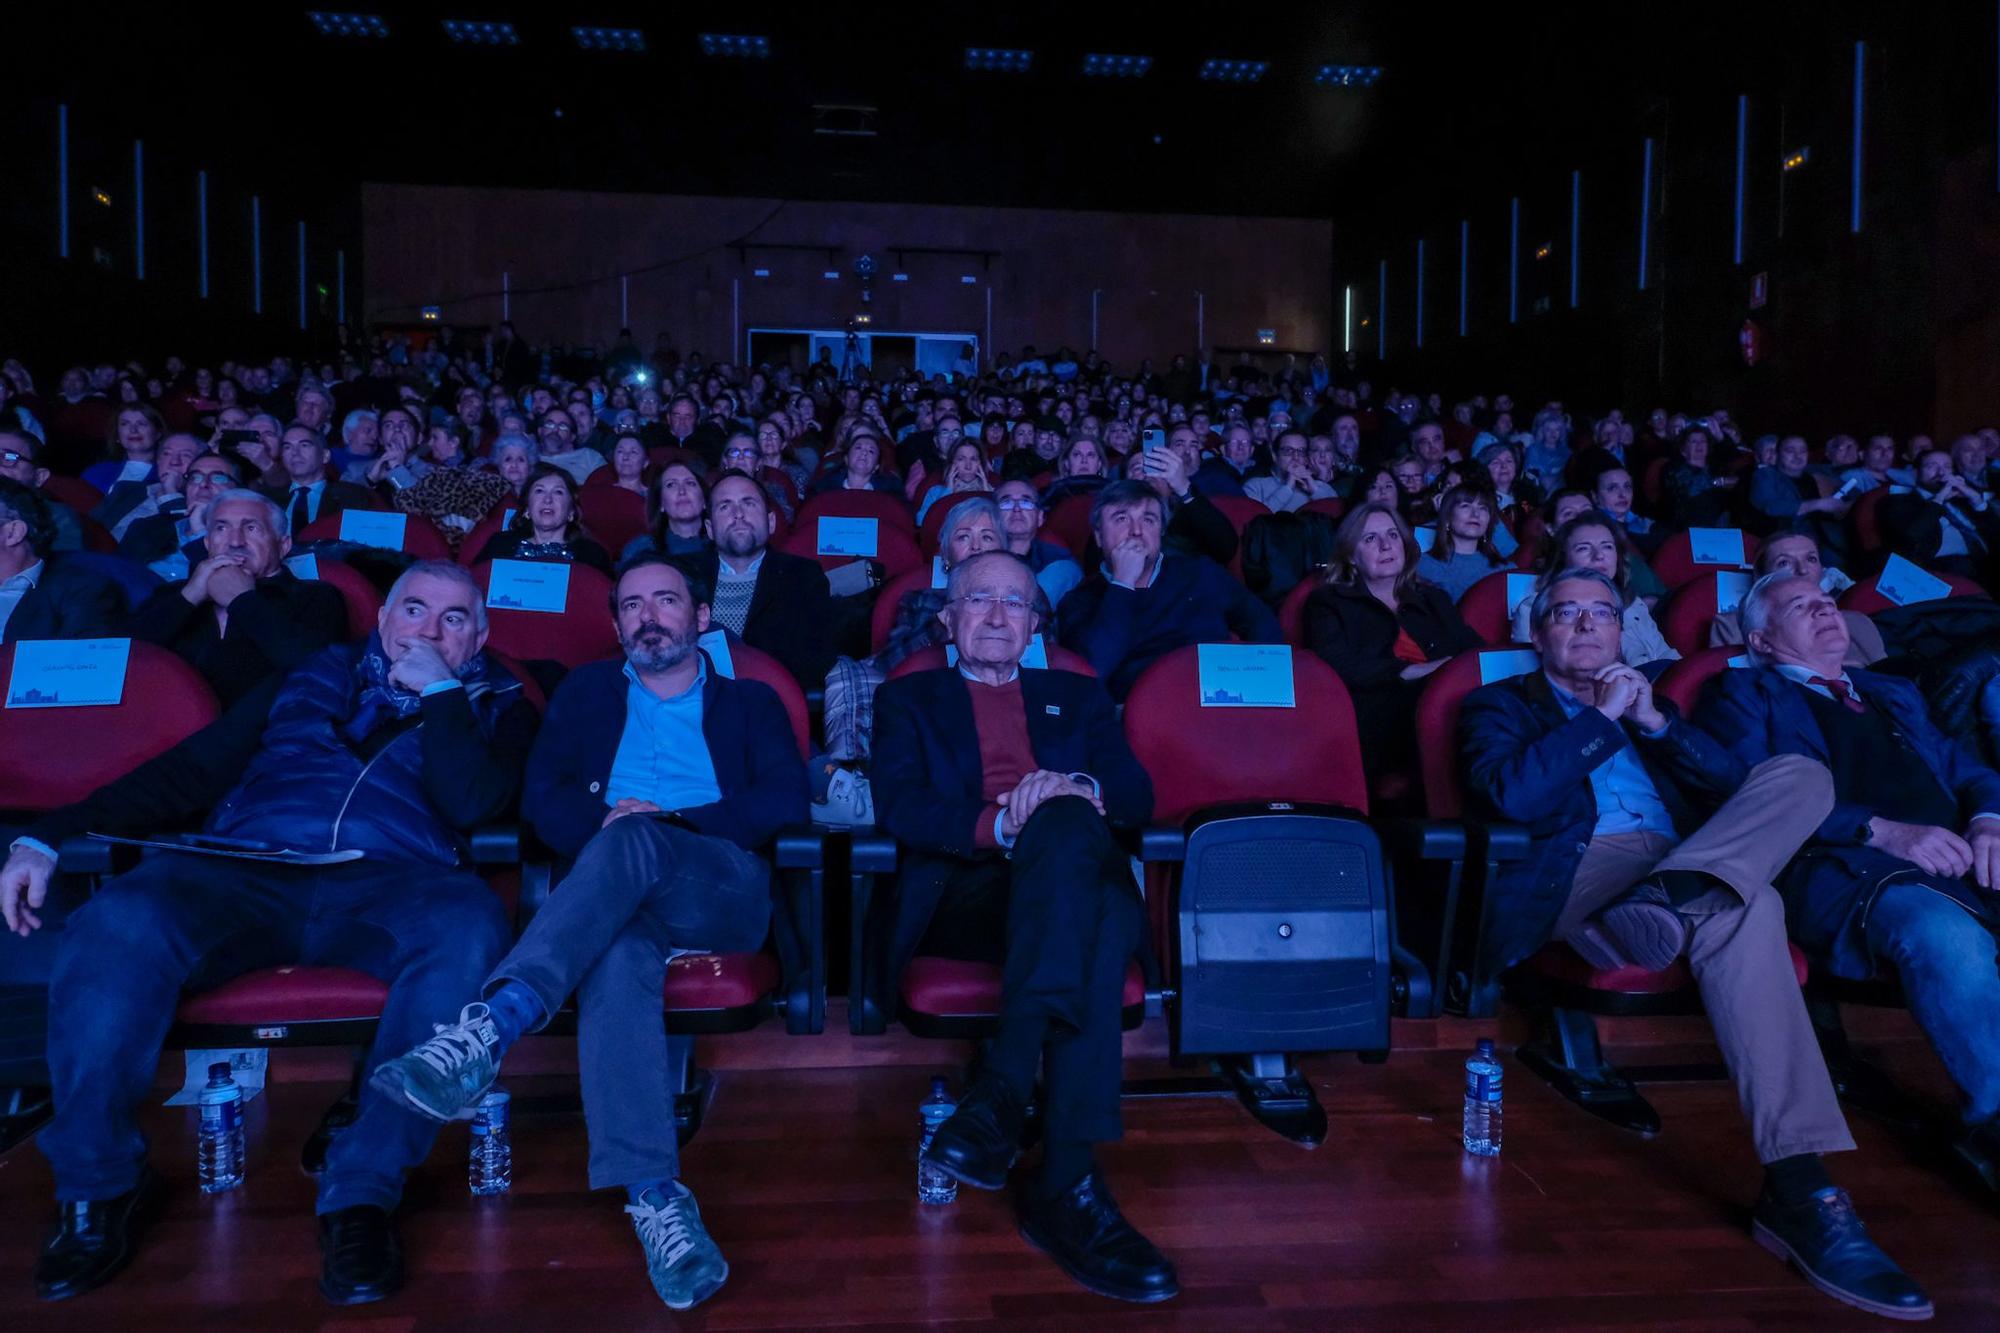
491	1169
1482	1101
218	1159
933	1185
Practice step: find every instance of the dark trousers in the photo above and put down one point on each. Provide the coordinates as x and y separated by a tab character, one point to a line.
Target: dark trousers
641	891
189	923
1062	918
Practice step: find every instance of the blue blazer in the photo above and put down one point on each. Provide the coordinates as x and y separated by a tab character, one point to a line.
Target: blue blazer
927	783
1529	763
1758	712
750	743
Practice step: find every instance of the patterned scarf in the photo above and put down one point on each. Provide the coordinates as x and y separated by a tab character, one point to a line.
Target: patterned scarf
381	702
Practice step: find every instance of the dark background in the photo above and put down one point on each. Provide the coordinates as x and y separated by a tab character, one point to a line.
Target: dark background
1897	327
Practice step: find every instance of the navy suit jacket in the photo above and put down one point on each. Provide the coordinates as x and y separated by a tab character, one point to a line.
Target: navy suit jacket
1759	712
750	743
927	777
67	602
1528	762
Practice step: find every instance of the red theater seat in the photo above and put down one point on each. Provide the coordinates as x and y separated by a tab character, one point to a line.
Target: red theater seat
945	997
755	664
1688	613
715	982
291	994
1484	609
1675	565
582	632
421	539
364	603
613	515
1866	598
1866	519
1069	521
895	548
75	492
1684	681
882	617
1292	611
890	510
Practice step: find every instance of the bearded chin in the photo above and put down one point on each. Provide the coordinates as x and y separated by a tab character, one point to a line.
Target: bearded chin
666	657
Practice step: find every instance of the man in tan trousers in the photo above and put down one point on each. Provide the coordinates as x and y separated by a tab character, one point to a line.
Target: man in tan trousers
1647	841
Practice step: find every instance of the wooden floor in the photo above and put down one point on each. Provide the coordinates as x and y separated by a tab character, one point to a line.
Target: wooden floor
805	1175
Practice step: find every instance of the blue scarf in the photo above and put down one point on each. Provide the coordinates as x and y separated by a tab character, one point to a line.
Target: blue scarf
381	702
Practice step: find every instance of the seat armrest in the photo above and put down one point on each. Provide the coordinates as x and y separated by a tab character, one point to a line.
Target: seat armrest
800	847
869	855
88	856
1425	839
1163	843
496	844
800	853
1500	841
873	853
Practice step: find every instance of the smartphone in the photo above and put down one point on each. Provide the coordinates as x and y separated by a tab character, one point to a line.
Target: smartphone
1155	440
230	438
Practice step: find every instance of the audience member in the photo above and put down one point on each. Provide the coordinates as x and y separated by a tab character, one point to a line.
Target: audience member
307	496
1789	497
1056	571
1291	484
776	603
1591	541
1900	874
678	512
1942	523
1145	602
20	461
394	749
1012	859
548	526
1796	553
1462	550
859	470
1649	840
660	782
41	597
964	473
1383	629
1225	473
161	541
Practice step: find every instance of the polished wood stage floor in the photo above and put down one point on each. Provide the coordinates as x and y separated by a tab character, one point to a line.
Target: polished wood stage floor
805	1173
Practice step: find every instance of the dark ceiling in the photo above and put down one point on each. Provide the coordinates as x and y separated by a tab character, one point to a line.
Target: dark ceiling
1470	93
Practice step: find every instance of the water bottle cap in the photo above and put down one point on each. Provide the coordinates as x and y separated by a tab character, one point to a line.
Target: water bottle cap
1486	1045
496	1098
938	1085
219	1070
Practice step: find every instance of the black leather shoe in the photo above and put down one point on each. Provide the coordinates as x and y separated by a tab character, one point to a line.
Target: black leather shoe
1641	928
93	1240
980	1141
361	1257
1824	1239
1086	1235
340	1115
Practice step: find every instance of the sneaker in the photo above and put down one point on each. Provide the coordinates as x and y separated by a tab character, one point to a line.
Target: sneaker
849	802
681	1257
449	1072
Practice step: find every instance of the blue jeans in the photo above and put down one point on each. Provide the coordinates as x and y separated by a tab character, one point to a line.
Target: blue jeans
189	923
1946	959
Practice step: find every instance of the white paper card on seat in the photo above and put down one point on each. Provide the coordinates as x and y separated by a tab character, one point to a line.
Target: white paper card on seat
1903	583
528	585
1520	587
303	567
1505	664
68	673
367	527
1716	546
247	1067
1730	585
1246	675
716	644
939	577
1036	656
846	536
1742	660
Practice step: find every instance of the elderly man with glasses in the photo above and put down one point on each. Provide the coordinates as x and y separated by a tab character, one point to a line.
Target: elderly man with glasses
1010	858
1649	839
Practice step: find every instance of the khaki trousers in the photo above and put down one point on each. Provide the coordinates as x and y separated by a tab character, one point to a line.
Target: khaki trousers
1736	946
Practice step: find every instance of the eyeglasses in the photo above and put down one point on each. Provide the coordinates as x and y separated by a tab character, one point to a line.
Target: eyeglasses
1568	613
212	478
982	603
11	456
1019	502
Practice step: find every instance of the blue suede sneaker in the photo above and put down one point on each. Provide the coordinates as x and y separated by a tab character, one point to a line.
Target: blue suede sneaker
682	1259
449	1072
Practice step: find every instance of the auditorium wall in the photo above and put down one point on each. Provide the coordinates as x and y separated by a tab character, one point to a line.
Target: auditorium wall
690	267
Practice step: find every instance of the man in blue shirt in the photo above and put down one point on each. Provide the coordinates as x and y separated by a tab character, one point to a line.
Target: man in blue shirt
662	781
1648	840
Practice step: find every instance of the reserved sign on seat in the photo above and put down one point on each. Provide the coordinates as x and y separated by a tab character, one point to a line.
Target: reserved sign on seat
846	536
366	527
1246	675
68	673
528	585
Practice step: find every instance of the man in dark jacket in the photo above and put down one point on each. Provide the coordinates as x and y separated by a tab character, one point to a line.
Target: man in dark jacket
662	781
374	758
774	602
1142	604
42	596
307	496
1942	523
1649	839
167	541
1004	786
240	615
1902	871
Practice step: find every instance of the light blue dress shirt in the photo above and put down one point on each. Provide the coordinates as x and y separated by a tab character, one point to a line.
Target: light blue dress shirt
1627	801
663	755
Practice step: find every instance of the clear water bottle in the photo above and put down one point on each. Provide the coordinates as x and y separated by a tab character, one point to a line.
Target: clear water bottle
218	1161
933	1185
1482	1101
491	1169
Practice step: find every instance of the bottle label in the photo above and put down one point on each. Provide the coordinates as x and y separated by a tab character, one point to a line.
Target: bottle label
221	1117
1482	1087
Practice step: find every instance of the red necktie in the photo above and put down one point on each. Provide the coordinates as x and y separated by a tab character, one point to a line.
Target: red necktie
1840	690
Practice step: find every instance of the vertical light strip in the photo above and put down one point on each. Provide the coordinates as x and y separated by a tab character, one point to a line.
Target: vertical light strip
139	209
256	255
1742	149
1420	291
62	180
340	286
302	275
201	233
1464	270
1860	116
1347	321
1514	261
625	302
505	296
1646	215
1575	234
1382	313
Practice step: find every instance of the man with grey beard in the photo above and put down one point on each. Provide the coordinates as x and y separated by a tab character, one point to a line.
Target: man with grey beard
661	781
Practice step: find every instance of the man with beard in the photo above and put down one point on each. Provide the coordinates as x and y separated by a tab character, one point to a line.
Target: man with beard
660	789
776	603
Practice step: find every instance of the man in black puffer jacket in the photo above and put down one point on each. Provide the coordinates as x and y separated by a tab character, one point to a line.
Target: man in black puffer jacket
389	751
